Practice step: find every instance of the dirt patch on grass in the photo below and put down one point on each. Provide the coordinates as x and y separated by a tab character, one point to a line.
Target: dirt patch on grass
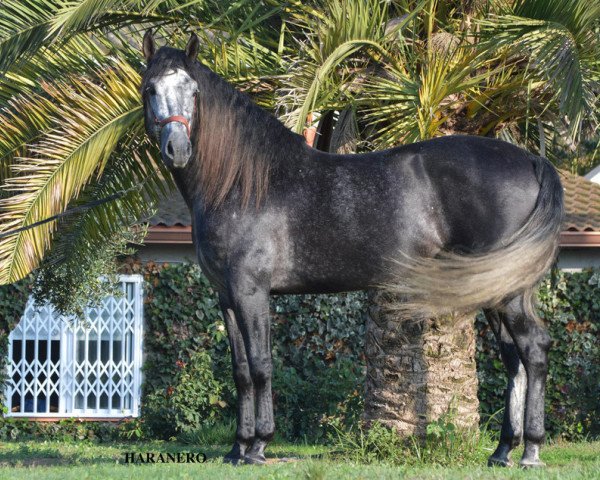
35	462
272	461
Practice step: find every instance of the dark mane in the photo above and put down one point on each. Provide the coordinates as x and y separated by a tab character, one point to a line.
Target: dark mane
236	143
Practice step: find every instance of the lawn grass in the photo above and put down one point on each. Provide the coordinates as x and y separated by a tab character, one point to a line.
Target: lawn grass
86	460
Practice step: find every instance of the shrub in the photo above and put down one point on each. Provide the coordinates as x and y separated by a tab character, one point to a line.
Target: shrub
319	366
194	399
445	444
66	430
317	355
185	342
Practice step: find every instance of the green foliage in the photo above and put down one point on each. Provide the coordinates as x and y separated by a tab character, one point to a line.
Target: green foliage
195	399
13	299
305	399
221	433
319	363
367	445
131	429
318	360
78	283
445	444
66	430
185	343
317	353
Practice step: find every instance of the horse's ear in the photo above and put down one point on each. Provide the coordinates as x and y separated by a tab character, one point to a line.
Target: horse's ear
191	49
148	46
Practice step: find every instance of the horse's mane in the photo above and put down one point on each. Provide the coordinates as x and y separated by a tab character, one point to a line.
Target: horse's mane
236	143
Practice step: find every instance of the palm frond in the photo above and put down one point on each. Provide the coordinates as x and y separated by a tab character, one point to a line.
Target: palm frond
406	106
74	17
24	27
80	15
26	111
92	120
331	40
23	120
80	235
81	54
86	243
557	40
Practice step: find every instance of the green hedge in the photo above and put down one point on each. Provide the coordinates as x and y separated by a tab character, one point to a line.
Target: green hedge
317	353
319	364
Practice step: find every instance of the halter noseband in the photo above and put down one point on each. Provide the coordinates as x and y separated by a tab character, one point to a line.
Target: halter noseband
175	118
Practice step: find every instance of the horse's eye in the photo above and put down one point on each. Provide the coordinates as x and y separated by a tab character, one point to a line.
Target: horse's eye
151	90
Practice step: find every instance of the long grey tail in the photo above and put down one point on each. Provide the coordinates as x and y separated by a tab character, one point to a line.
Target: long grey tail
452	282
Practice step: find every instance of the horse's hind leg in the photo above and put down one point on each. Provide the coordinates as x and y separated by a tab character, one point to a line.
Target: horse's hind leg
532	342
243	384
512	425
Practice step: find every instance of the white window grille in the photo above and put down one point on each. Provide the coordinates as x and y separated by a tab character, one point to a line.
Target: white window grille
59	367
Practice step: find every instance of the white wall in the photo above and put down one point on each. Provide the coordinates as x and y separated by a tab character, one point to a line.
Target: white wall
573	259
593	175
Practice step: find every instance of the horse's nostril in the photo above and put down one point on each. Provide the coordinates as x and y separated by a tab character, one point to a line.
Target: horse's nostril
188	149
170	151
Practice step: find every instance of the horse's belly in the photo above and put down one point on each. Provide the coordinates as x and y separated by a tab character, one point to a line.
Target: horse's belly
343	264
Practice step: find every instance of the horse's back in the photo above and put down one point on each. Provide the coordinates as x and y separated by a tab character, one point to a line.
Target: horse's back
483	189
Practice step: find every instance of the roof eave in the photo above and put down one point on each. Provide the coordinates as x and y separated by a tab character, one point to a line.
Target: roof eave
162	234
580	239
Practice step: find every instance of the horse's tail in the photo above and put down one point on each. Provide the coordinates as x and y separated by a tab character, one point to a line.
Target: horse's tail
452	282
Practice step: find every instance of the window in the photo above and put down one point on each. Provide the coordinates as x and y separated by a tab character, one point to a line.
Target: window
58	367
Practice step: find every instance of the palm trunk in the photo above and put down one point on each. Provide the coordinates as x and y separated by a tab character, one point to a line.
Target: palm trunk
418	371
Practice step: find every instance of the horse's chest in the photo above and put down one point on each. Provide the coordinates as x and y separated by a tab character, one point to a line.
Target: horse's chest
210	254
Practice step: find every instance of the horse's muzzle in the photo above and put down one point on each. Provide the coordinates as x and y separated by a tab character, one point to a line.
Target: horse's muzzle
176	148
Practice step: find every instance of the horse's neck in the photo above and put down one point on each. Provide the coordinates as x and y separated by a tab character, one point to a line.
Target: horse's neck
249	133
184	182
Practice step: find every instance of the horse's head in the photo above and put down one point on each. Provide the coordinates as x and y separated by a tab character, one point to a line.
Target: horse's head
169	94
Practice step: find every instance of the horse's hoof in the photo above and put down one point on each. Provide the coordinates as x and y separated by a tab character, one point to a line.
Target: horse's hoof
525	463
499	462
250	459
232	460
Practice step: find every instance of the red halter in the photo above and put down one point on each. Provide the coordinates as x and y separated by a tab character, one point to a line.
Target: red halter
176	118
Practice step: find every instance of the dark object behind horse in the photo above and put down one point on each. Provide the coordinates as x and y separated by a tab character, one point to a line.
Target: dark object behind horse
471	222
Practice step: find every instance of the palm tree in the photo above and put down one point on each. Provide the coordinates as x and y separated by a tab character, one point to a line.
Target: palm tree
513	72
378	74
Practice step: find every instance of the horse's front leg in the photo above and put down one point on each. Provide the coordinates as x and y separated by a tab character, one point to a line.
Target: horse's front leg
251	301
243	383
